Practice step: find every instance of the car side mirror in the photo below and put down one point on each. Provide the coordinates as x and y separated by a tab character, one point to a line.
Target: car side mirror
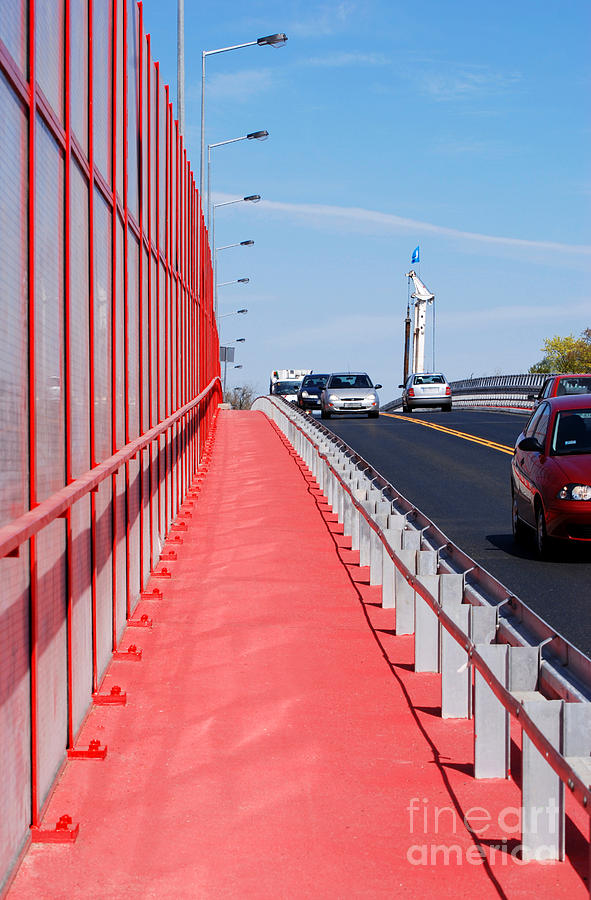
401	385
531	396
531	445
377	386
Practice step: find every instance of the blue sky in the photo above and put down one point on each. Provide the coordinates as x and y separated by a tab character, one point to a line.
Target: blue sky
461	127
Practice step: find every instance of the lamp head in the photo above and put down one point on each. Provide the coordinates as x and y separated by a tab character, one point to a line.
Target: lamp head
246	243
258	136
272	40
252	198
243	280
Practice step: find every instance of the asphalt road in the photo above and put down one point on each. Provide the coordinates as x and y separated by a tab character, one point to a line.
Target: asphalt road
464	487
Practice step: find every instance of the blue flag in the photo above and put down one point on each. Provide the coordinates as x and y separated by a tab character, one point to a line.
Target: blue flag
416	257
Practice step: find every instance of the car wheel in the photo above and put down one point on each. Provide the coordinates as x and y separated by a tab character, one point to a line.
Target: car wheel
447	407
373	415
542	539
516	523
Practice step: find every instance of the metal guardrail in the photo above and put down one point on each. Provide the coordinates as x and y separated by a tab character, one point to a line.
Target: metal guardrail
507	391
497	658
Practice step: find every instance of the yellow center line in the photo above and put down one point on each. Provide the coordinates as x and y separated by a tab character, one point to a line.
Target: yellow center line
461	434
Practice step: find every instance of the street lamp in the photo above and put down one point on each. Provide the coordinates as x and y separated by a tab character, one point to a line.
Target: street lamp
237	312
253	136
227	352
236	281
270	40
250	198
239	244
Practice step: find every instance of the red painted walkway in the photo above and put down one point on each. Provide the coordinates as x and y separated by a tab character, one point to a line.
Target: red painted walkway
268	748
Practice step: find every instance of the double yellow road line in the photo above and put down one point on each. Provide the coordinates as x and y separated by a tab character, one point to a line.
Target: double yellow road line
502	448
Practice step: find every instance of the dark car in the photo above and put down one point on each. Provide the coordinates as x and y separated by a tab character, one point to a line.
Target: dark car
562	386
310	390
551	473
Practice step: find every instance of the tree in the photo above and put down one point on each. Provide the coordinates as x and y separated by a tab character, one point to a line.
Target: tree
566	354
240	397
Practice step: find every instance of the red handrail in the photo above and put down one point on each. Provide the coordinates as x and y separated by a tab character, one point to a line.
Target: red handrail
34	520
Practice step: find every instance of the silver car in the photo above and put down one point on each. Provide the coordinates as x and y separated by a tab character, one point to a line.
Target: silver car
424	390
350	393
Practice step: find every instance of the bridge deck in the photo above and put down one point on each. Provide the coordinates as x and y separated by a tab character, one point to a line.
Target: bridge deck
275	738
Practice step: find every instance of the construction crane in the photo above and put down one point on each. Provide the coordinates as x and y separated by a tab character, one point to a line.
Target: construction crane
422	296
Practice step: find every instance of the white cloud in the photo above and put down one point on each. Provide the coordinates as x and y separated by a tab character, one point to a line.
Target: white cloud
518	313
466	83
358	219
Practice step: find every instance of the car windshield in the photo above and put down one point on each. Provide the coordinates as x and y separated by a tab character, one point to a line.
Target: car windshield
314	381
429	379
572	432
580	385
350	381
286	387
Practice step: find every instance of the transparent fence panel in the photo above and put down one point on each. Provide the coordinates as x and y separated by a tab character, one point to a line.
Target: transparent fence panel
128	321
102	69
133	167
13	31
79	387
49	51
49	454
15	735
79	71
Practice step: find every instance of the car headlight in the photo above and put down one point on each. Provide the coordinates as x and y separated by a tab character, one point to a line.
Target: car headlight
332	397
575	492
305	394
371	397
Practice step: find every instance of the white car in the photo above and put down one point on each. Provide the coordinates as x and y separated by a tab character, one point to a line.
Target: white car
424	390
350	393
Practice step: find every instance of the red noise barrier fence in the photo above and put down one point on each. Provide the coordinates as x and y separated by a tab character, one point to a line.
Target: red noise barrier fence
109	365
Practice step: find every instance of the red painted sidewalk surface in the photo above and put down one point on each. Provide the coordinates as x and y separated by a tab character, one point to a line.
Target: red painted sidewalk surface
276	742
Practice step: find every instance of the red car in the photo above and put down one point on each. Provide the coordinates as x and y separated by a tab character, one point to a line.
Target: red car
562	386
551	473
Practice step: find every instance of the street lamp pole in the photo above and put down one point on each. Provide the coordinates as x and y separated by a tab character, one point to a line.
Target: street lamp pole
271	40
251	198
253	136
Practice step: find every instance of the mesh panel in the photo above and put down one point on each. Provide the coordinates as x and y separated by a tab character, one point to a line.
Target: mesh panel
133	512
49	49
120	110
13	25
153	145
52	716
79	70
103	564
49	225
162	144
133	335
144	141
121	543
49	446
15	733
102	327
120	339
102	68
79	335
81	564
132	108
81	587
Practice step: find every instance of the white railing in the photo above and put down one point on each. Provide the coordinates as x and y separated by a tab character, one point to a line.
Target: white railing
497	658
